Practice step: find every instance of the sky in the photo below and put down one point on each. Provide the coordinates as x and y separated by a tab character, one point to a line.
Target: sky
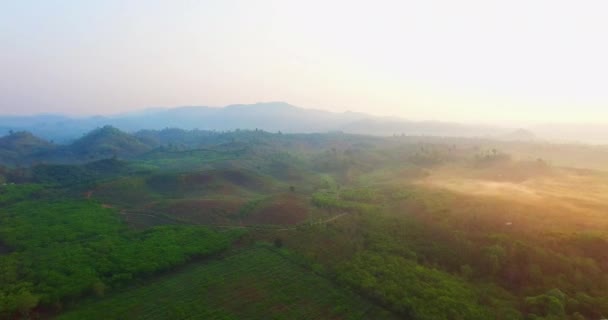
467	60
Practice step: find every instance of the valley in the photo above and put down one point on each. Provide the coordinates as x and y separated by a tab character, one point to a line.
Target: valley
257	225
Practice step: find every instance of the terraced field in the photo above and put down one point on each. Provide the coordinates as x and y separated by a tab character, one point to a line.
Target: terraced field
258	283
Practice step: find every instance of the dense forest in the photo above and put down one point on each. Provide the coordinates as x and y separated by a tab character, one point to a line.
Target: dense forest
134	225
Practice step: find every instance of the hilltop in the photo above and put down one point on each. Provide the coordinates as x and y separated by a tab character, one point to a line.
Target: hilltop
16	146
107	142
23	148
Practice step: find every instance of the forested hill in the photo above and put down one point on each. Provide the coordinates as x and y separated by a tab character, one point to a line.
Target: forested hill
23	148
17	146
107	141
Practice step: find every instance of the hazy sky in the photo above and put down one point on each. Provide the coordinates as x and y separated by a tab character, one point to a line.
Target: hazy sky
484	60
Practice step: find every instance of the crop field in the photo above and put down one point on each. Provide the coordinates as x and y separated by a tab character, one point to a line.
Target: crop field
258	283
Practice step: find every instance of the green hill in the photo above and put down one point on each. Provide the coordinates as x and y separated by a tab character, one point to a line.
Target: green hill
20	146
108	142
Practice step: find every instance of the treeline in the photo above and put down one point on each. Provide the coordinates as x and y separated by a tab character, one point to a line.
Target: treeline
335	150
59	250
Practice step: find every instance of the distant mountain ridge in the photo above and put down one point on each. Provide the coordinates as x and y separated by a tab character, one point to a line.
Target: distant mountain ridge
269	116
275	116
281	116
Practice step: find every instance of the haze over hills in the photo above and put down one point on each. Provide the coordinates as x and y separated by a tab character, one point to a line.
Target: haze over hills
284	117
272	116
227	160
16	146
332	210
22	147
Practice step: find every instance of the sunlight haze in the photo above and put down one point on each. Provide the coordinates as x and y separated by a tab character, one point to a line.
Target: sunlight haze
470	61
280	159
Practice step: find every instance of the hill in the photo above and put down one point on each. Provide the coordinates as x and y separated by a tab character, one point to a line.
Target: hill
24	148
108	142
19	145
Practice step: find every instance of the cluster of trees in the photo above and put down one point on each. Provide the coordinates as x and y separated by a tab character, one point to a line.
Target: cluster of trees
410	250
78	175
412	290
487	251
433	154
61	250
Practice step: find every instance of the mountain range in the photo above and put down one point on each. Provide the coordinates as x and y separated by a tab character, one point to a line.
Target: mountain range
271	116
281	116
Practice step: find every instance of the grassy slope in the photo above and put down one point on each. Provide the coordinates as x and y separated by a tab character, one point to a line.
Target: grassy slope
254	284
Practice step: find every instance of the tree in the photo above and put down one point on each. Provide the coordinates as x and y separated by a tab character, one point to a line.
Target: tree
550	304
466	271
99	288
492	259
25	301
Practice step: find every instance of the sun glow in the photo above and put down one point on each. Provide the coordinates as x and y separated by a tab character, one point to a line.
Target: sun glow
469	60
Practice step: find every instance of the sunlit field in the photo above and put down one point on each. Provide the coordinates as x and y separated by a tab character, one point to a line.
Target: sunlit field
578	196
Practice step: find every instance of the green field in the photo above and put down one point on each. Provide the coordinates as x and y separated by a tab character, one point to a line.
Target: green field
257	283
